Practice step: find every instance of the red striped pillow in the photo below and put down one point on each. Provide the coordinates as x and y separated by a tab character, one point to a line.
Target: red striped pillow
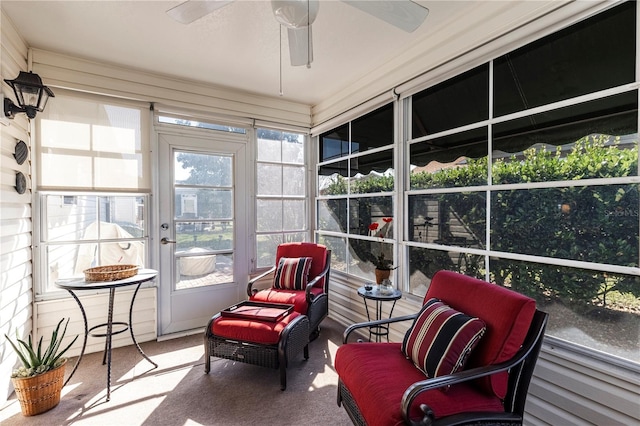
292	273
440	340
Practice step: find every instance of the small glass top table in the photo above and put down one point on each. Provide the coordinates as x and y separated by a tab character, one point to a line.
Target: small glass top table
77	284
374	294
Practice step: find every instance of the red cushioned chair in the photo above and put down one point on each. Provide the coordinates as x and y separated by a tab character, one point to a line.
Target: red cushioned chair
379	385
312	299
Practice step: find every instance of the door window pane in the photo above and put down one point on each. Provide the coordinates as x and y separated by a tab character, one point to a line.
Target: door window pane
203	169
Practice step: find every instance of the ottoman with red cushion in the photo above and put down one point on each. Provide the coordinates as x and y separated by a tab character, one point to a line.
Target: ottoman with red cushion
258	340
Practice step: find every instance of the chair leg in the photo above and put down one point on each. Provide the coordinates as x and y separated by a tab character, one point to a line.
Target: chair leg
306	352
283	377
314	334
207	356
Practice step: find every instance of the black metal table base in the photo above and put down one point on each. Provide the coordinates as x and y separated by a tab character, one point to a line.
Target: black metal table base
379	331
106	357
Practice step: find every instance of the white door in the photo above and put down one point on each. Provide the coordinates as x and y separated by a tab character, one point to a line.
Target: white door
202	227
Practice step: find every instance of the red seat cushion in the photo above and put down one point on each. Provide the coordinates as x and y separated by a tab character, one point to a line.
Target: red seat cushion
506	314
290	297
265	332
378	374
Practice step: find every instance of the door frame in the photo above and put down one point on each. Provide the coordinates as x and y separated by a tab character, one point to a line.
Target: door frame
242	209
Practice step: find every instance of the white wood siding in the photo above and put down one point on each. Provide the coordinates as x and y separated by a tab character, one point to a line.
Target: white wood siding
15	215
571	389
48	313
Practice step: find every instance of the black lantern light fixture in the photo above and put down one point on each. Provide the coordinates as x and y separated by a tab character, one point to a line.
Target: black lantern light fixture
31	94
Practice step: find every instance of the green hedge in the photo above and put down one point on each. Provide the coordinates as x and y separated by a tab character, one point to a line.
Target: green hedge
596	223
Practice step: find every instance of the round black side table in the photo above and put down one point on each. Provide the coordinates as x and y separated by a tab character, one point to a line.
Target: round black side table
374	294
79	284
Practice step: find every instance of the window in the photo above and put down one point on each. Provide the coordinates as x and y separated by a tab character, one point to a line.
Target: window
97	230
281	192
200	124
543	201
356	182
93	185
559	183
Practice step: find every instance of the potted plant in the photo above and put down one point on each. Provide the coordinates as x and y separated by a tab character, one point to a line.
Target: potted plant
383	264
38	382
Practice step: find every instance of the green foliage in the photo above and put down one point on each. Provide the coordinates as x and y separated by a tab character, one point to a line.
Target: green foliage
590	223
34	361
584	223
337	186
474	172
372	184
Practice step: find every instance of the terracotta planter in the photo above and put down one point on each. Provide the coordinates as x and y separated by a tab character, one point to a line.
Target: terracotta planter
40	393
382	274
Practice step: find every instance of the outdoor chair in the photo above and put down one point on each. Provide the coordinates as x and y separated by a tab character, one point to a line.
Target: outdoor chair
471	351
300	278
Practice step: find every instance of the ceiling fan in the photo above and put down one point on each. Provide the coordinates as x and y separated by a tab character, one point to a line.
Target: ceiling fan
298	15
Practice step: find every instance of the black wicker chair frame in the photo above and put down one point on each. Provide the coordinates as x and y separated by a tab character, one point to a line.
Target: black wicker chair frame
318	305
293	340
520	368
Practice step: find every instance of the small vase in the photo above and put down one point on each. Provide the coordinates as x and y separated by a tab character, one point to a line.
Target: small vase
385	287
382	274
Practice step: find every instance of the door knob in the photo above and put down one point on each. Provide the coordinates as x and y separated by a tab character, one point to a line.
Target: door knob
165	240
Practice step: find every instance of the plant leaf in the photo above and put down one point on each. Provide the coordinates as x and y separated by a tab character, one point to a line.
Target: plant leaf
19	352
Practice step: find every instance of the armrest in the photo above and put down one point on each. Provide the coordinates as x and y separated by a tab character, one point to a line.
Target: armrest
250	290
527	354
417	388
323	274
366	324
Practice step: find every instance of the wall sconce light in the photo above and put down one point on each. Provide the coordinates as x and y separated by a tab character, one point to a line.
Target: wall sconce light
31	94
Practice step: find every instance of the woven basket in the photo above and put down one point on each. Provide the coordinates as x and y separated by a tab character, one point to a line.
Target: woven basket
40	393
110	272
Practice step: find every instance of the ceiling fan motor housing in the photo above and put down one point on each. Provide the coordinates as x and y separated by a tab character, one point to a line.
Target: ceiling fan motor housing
295	13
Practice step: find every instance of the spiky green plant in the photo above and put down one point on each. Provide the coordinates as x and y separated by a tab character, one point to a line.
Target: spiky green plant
34	361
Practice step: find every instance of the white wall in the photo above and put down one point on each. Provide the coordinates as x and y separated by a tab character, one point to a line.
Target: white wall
15	215
47	314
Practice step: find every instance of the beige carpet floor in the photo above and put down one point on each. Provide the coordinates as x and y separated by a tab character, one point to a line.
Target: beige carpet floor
178	392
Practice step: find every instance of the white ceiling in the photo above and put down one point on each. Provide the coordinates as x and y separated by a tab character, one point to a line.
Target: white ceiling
238	45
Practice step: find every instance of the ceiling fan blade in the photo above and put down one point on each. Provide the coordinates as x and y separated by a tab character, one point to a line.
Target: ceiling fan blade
193	10
300	46
404	14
